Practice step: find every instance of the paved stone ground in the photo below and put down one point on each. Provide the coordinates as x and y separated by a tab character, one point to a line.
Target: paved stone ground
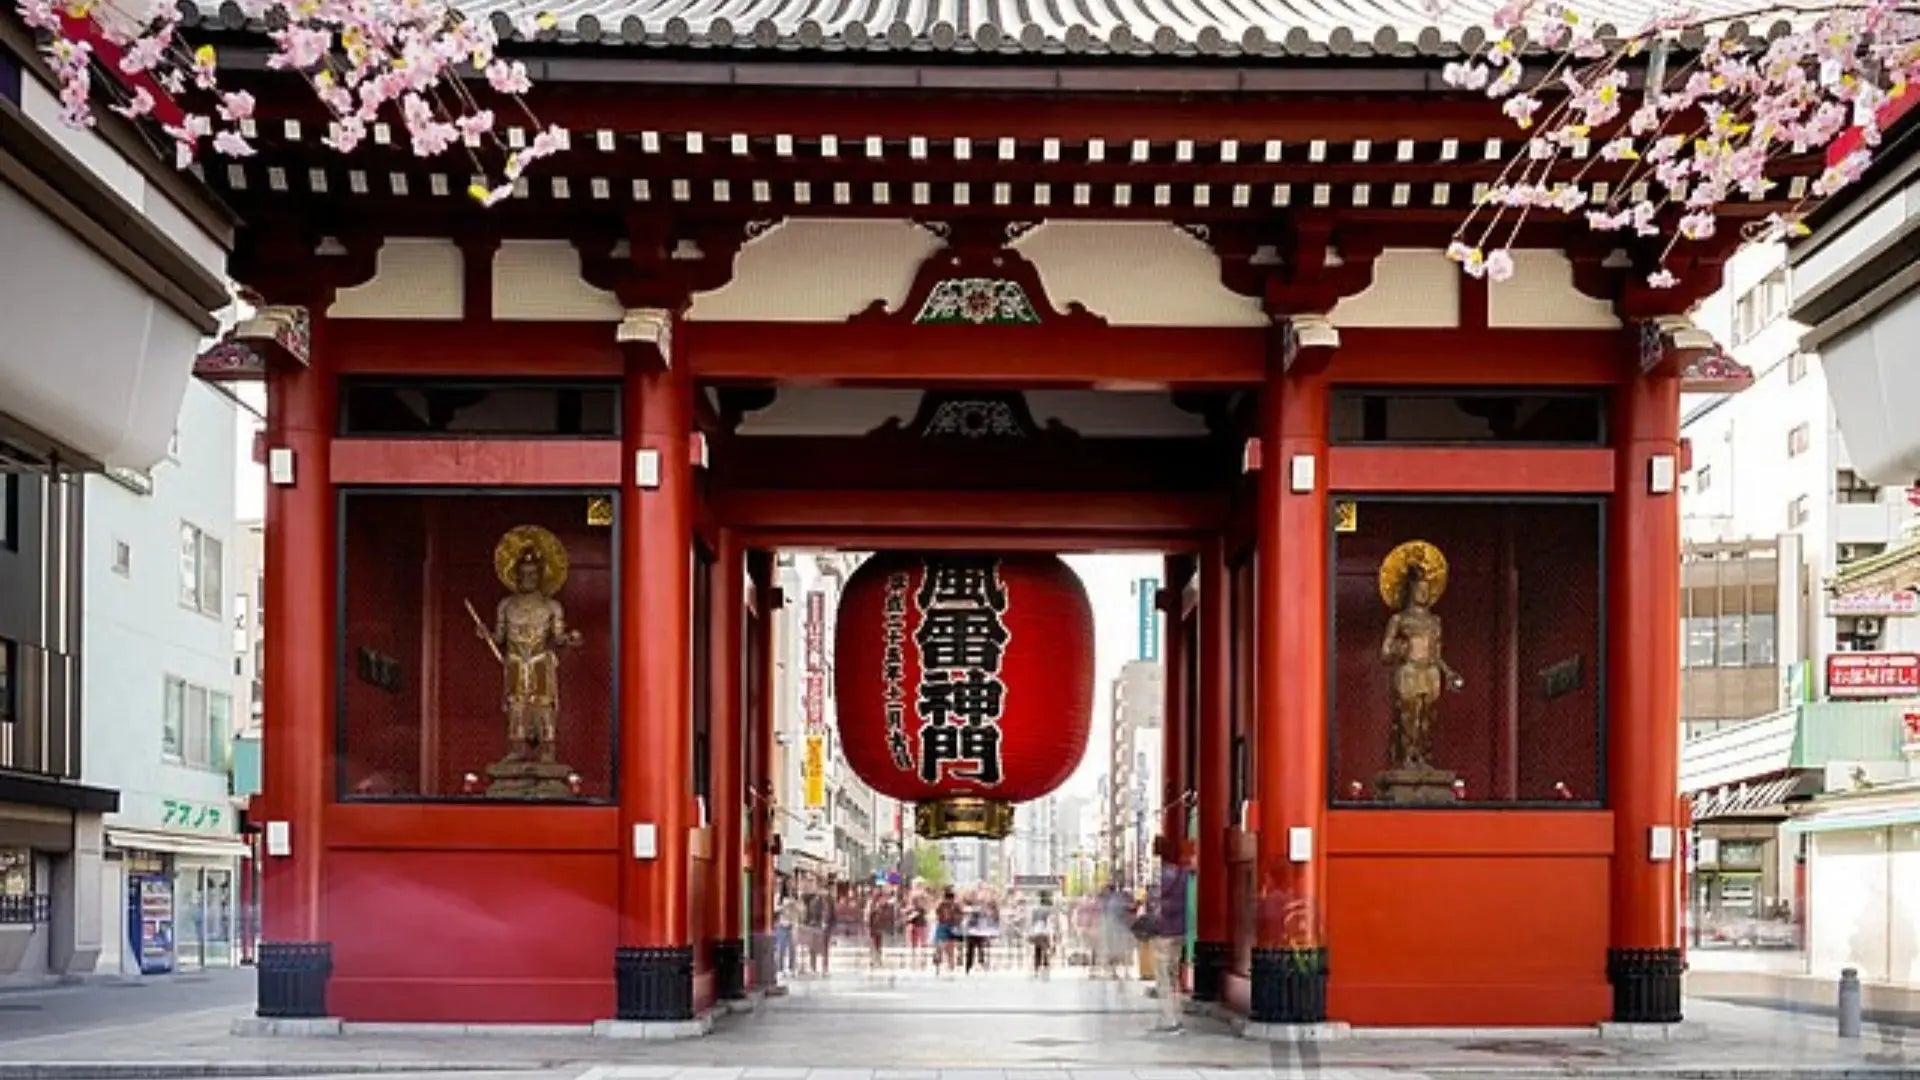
1003	1026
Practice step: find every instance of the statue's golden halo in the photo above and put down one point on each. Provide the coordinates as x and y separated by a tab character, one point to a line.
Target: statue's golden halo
521	538
1393	571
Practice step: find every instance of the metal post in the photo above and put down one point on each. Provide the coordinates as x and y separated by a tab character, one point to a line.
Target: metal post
1849	1003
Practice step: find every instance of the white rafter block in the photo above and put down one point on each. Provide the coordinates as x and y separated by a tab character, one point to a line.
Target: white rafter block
1183	150
1230	151
962	149
1442	193
437	184
1317	150
1283	194
643	191
1492	150
522	188
1600	190
1479	192
1202	195
1401	193
517	137
1163	194
1273	150
1123	194
881	193
1362	194
476	181
1403	150
1639	190
1096	149
1581	148
1050	149
783	145
292	130
922	193
1082	194
1322	194
722	191
682	190
1796	189
962	192
875	147
1141	148
1006	149
696	142
236	176
650	142
917	148
1449	149
1242	194
317	180
842	193
739	142
382	135
802	191
829	146
249	128
1362	150
1042	195
599	188
1002	193
762	191
561	190
603	141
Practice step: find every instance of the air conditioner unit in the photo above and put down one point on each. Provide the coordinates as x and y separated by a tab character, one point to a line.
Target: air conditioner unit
1866	626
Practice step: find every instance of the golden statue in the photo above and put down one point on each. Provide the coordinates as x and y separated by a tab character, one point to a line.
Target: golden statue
529	630
1412	578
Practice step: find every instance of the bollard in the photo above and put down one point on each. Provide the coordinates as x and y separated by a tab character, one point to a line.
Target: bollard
1849	1003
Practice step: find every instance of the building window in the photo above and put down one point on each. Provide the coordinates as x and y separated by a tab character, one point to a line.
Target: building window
1760	633
9	693
1703	478
1799	439
201	570
122	558
195	725
1796	367
1848	487
1698	631
1798	511
1759	306
1854	552
1733	640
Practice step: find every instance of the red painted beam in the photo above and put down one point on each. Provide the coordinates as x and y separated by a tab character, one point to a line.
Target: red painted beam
1469	832
442	827
1004	357
1352	469
1482	357
947	540
414	347
477	462
999	513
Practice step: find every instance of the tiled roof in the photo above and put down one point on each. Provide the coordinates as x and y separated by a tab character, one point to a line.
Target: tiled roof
1137	28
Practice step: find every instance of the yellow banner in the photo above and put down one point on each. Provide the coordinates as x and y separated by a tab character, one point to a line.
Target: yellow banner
813	771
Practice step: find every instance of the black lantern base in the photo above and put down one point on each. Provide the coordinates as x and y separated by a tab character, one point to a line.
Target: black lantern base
1210	969
653	983
729	969
766	962
1289	986
292	979
1646	985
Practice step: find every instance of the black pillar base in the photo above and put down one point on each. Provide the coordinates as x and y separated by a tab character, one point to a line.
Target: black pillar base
292	978
1289	986
1210	969
766	964
729	968
1646	985
653	983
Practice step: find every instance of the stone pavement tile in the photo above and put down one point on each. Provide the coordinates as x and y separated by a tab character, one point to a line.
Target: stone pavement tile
840	1074
1166	1074
773	1072
708	1072
906	1074
974	1074
642	1072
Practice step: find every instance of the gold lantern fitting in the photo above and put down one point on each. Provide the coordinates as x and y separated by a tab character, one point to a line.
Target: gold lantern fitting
967	816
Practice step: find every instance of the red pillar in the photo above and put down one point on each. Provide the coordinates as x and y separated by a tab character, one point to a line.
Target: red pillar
728	664
296	957
1213	935
1643	736
759	715
1289	960
654	962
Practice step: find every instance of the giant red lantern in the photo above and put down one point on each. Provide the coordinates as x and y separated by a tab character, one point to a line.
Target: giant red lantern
964	682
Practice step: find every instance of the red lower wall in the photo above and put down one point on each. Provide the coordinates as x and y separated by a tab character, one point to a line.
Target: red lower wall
1489	918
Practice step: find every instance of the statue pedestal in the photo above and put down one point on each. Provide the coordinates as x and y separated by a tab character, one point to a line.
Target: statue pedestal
529	780
1416	786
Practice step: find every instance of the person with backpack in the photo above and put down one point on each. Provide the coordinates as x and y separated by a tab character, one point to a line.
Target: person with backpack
1042	932
1167	924
946	933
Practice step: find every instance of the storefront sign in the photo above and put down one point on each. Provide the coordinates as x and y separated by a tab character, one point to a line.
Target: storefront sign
1873	674
1875	602
816	661
185	815
813	772
1912	722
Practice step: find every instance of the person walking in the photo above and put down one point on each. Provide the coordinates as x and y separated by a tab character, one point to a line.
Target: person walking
787	920
947	932
1169	926
917	921
881	917
1042	929
1116	933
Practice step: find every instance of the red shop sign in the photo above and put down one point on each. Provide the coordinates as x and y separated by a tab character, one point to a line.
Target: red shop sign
1873	674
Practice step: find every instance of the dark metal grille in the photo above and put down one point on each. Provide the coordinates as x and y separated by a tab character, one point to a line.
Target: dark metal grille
1522	627
421	695
25	910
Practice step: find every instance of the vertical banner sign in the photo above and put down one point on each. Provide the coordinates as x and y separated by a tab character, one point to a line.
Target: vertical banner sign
1146	592
813	766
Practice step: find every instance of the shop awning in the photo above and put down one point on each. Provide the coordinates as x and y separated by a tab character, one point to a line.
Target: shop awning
212	847
1763	797
1875	819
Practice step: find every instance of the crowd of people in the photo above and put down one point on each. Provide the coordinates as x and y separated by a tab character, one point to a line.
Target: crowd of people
978	928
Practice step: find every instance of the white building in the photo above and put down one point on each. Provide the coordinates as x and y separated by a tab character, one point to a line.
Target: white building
160	712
